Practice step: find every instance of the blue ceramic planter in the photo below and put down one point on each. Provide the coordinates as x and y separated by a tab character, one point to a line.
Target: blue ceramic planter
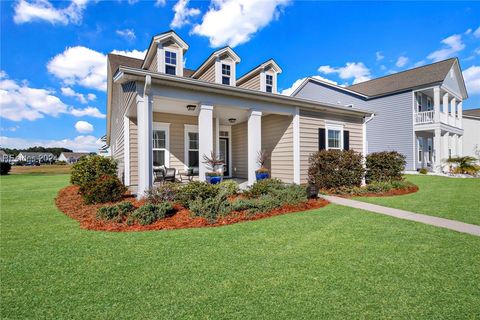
213	179
261	175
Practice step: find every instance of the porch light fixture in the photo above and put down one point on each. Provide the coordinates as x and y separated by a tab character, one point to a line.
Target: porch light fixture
232	120
191	107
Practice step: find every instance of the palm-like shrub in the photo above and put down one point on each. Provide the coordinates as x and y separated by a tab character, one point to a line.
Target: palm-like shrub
464	165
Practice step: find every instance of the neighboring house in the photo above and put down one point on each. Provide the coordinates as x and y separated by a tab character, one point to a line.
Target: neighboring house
4	157
160	113
471	133
104	150
418	112
31	157
71	157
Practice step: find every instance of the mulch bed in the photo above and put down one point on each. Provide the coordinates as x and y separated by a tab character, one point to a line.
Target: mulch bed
393	192
71	203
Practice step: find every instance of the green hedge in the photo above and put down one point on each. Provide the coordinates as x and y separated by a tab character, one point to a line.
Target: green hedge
384	166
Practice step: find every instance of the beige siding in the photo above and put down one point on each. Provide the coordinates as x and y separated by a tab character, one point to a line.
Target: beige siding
277	141
253	83
133	152
209	74
154	64
239	151
310	122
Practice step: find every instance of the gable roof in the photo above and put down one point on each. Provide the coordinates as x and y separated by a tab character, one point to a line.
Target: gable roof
404	80
474	113
74	155
116	60
257	69
225	50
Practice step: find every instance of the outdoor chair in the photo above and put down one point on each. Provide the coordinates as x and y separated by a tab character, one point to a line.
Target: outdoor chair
189	174
163	173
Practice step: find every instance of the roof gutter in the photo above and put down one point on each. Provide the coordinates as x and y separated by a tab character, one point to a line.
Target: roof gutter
132	74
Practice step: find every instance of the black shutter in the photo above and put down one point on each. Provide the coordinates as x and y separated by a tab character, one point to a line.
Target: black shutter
346	140
321	139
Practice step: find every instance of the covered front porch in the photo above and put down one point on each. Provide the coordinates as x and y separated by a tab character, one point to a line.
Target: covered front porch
171	130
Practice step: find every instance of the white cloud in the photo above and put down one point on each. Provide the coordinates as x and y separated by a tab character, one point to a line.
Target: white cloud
19	102
10	129
128	34
234	22
82	143
356	70
43	10
401	61
83	127
383	67
82	66
183	14
379	56
88	111
3	74
160	3
472	79
476	33
134	53
451	46
297	83
69	92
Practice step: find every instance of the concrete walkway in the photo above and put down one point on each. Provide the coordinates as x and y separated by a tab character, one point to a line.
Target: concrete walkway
407	215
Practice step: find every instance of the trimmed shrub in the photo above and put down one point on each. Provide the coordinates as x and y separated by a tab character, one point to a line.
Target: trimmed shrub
61	163
167	191
230	187
263	187
384	166
91	168
5	168
117	213
149	213
196	189
423	171
329	169
211	208
105	189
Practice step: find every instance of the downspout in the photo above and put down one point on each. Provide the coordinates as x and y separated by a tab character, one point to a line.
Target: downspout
364	129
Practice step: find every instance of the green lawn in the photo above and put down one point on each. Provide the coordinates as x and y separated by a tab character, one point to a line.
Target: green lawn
334	262
457	199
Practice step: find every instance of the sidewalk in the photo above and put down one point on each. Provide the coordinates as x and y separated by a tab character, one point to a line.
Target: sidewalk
407	215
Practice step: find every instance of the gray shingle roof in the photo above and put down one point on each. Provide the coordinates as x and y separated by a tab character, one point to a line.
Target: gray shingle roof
75	155
429	74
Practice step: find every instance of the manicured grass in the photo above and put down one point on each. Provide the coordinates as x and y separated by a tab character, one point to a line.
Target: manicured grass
43	169
334	262
457	199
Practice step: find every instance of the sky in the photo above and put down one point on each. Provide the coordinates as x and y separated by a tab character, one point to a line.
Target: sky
53	53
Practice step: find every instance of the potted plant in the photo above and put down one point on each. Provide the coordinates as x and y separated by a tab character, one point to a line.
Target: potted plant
215	164
262	172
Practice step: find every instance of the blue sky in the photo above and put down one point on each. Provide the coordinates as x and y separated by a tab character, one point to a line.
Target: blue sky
53	54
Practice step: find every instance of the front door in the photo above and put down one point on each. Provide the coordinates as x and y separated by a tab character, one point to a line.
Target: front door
224	155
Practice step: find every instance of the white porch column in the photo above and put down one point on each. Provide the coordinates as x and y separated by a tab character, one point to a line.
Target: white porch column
445	103
296	146
436	104
460	146
144	137
205	137
126	150
454	107
437	150
254	143
459	114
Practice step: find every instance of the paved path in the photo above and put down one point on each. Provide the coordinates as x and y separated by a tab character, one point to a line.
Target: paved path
407	215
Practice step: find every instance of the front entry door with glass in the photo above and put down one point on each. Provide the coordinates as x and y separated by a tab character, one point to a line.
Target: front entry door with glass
224	155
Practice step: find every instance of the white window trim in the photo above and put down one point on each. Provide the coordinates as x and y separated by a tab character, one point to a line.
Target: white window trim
165	127
188	128
229	76
420	149
229	130
169	64
334	126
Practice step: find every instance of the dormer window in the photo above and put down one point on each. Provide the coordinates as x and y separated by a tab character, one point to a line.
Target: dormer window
226	72
269	83
170	62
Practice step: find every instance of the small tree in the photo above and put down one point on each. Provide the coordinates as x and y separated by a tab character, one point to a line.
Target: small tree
5	168
90	168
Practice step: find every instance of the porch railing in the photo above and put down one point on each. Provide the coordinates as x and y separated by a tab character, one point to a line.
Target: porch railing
424	116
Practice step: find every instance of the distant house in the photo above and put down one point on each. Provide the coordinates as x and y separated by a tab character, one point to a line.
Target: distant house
34	157
71	157
104	150
471	132
4	157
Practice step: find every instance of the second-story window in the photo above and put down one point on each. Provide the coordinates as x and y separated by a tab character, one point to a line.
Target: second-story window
269	83
170	62
226	72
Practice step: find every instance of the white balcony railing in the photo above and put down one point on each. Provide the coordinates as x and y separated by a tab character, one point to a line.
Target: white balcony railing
425	117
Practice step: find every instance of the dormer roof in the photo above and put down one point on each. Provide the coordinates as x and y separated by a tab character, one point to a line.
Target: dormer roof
265	65
162	38
211	59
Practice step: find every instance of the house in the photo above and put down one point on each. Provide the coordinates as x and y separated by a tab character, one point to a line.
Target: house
418	112
36	157
104	150
161	113
71	157
471	133
4	157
